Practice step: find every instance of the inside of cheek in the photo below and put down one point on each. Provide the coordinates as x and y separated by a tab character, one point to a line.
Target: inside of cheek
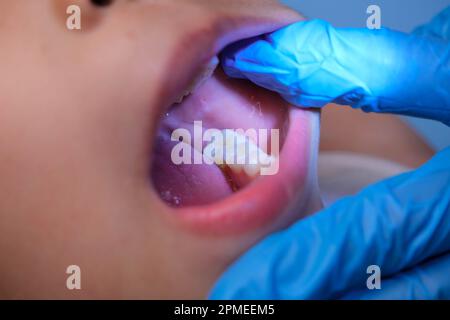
220	103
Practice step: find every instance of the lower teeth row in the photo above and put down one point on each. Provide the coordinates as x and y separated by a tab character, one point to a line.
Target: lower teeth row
206	72
239	153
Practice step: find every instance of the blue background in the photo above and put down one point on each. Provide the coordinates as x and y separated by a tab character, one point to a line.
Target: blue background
403	15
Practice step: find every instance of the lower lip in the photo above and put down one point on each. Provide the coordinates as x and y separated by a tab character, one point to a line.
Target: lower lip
267	198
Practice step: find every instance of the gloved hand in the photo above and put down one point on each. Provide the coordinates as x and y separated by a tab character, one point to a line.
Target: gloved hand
310	63
401	224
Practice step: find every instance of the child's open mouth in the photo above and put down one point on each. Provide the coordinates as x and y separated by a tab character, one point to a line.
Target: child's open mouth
232	197
226	105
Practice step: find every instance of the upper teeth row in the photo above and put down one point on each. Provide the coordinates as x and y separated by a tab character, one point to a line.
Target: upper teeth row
206	72
238	152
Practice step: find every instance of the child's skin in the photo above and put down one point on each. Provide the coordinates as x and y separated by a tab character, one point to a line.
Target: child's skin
77	113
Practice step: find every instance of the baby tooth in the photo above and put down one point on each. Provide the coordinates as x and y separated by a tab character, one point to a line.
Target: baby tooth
253	154
206	73
236	168
214	151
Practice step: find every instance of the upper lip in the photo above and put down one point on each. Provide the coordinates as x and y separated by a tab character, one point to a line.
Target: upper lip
217	33
261	202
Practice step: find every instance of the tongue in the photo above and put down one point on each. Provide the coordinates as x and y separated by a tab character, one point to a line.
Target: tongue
184	184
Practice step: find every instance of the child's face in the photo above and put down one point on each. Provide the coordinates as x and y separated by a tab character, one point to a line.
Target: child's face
79	113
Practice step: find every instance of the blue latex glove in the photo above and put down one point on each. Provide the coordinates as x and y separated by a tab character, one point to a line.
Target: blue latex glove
398	224
311	63
401	224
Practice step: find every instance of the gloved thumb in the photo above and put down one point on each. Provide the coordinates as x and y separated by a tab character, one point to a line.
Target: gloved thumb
310	64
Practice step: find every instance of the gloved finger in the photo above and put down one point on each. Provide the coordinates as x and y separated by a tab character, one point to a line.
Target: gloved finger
439	27
428	281
395	224
310	64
